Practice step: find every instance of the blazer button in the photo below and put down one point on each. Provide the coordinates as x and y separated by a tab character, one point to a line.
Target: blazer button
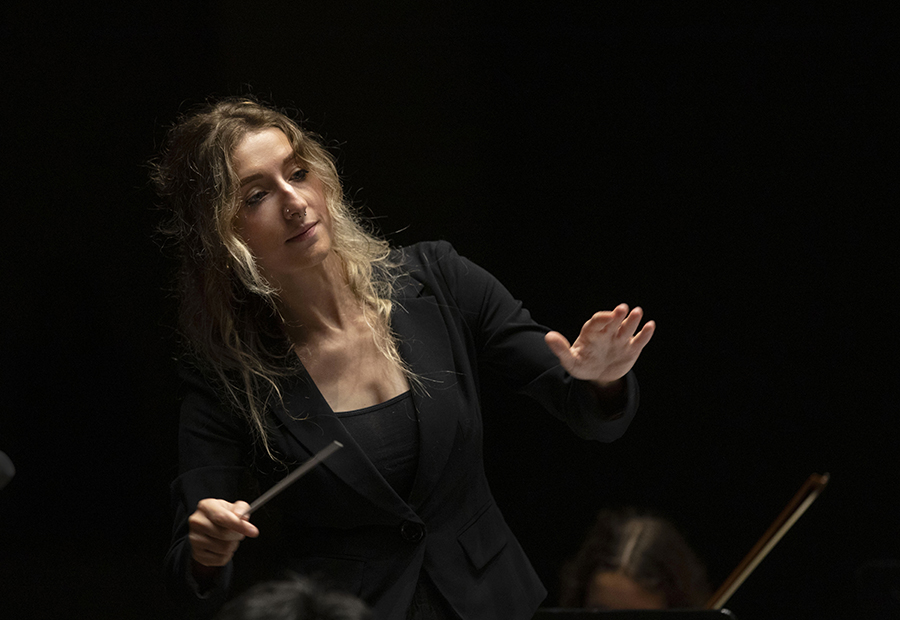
412	532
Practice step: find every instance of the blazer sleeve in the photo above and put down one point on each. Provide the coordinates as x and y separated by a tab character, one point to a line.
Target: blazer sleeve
214	453
510	346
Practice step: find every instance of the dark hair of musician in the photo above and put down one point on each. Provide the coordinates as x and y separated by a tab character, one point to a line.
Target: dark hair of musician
295	598
646	548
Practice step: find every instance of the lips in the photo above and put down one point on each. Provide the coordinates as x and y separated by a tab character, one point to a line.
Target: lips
305	232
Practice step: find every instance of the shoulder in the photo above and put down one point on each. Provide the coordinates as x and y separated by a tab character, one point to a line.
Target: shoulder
425	254
436	269
430	265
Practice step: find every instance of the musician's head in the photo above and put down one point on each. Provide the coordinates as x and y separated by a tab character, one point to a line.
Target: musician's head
294	598
631	560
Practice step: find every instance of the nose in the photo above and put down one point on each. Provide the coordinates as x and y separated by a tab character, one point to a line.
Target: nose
294	203
290	211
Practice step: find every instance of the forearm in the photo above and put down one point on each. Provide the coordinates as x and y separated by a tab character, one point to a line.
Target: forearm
200	593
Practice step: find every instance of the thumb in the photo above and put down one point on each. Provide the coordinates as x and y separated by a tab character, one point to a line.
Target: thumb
246	528
559	346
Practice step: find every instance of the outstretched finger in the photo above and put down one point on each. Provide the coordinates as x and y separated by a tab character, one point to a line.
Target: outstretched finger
629	326
641	339
603	319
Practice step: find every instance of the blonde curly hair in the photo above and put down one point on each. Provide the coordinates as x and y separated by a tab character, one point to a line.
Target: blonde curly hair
228	312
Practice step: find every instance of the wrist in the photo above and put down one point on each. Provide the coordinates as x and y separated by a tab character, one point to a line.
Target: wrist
203	573
608	389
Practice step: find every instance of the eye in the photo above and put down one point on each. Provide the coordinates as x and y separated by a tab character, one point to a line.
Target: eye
299	174
254	198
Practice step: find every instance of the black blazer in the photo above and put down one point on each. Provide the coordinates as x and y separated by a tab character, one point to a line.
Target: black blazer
457	326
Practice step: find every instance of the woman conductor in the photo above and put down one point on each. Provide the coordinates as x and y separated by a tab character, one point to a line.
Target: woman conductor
303	328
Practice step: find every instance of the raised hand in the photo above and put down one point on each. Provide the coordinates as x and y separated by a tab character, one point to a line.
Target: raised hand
607	347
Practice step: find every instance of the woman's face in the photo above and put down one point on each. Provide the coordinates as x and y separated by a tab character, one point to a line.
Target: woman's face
613	590
283	217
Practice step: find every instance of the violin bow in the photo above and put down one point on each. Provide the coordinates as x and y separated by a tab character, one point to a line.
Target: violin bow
795	508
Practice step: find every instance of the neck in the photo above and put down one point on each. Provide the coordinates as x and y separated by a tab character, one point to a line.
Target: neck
318	302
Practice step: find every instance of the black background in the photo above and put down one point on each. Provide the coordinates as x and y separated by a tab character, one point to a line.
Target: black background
727	168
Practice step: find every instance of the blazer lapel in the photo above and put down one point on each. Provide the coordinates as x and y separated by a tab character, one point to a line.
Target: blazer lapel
425	345
319	428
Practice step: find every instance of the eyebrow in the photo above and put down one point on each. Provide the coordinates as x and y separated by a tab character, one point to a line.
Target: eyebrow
290	158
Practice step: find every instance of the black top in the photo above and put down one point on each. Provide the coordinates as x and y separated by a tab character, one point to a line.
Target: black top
388	433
